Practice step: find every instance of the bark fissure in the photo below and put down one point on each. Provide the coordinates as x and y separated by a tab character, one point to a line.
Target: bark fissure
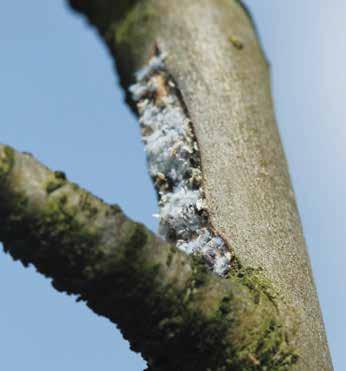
174	165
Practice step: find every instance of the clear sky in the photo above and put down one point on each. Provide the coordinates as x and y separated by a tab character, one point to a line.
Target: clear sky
60	100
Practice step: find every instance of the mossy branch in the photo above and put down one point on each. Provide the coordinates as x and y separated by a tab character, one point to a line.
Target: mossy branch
178	315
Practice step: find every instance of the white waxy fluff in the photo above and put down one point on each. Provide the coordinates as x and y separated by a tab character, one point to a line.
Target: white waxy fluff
174	164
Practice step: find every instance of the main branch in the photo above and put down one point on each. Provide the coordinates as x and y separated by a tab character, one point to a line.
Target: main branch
214	57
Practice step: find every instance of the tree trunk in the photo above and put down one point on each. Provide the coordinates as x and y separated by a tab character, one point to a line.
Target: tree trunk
264	313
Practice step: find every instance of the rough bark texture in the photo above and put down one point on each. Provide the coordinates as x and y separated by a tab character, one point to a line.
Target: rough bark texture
214	56
178	315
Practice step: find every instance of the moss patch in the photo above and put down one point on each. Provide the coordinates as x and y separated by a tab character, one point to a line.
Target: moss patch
7	160
256	281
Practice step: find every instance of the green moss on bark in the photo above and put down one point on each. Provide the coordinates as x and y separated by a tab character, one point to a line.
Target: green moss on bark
56	181
6	161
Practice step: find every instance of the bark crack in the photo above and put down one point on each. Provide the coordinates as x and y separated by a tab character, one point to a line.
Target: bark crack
175	166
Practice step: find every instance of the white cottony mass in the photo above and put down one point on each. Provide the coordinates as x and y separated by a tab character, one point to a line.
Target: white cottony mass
174	164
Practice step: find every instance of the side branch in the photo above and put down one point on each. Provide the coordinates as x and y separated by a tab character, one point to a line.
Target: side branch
178	315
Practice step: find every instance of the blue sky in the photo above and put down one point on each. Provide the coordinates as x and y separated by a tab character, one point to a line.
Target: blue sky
60	101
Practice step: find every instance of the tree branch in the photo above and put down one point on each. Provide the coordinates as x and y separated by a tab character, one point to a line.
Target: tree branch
170	308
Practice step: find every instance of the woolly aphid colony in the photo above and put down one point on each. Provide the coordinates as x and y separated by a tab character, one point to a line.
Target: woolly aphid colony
174	164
